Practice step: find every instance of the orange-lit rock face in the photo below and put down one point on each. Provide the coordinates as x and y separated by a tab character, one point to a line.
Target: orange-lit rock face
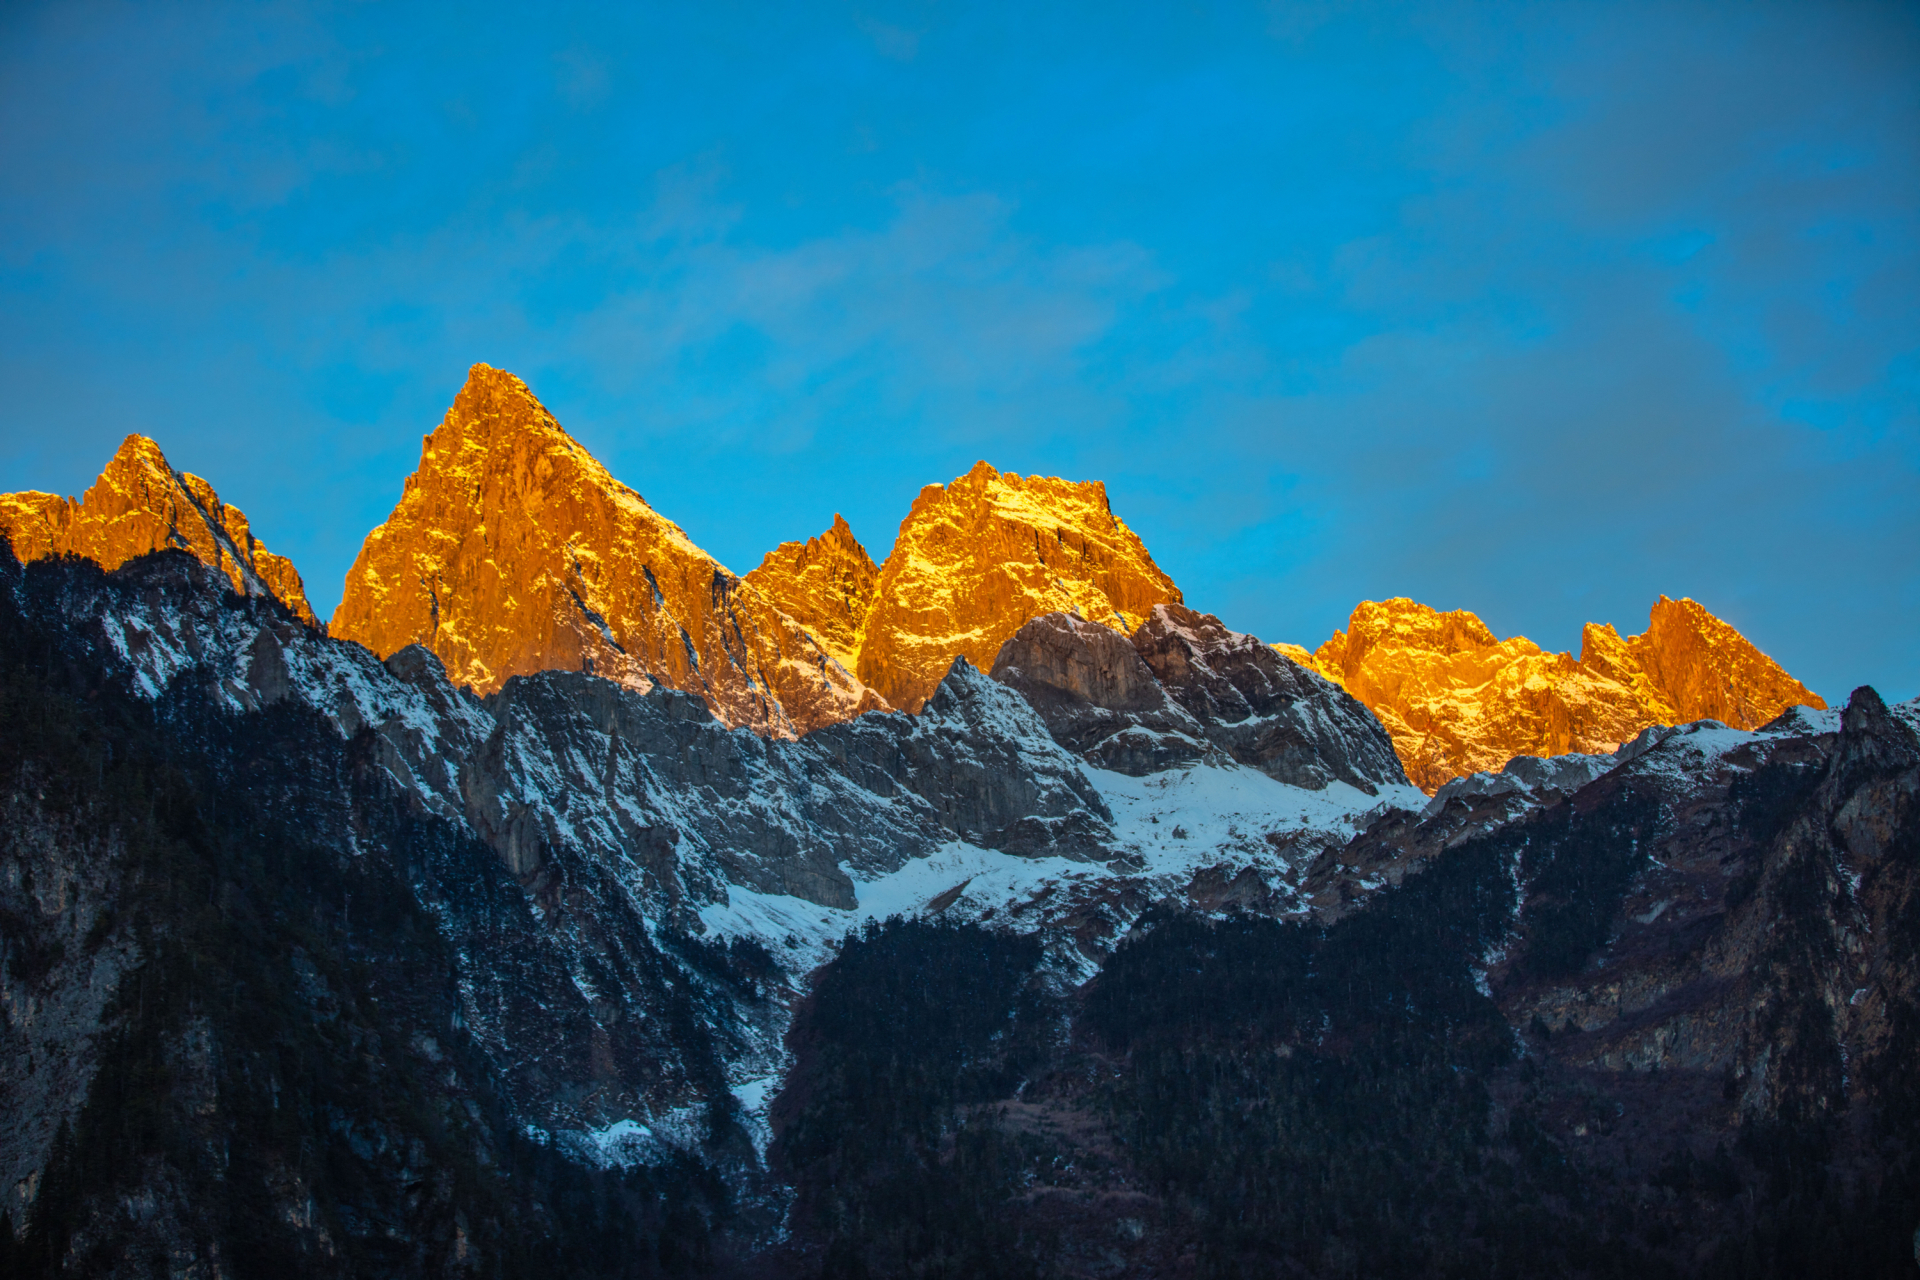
140	504
978	558
514	551
825	584
1457	700
1703	668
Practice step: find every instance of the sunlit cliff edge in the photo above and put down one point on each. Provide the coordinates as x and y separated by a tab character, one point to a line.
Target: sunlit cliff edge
513	550
825	584
1458	700
140	504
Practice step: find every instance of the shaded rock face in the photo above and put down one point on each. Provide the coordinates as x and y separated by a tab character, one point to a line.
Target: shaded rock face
521	880
1533	781
975	559
355	1040
1748	936
1185	688
360	974
1457	700
65	957
1707	902
513	551
140	504
1097	697
825	584
1263	709
981	757
652	782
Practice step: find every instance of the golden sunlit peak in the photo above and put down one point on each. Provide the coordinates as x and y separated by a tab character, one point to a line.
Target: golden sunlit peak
140	504
513	550
1457	700
977	558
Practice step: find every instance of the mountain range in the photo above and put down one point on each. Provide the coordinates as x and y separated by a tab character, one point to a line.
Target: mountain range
569	904
512	551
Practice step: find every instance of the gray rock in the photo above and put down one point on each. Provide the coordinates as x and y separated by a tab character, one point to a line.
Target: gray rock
1265	710
1097	697
1184	689
581	761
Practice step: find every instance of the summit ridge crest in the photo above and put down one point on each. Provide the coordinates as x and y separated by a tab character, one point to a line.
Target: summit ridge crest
1458	700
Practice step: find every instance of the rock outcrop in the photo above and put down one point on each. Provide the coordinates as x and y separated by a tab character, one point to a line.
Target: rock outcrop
1097	697
514	551
978	558
825	584
140	504
1458	700
1184	686
652	780
1263	709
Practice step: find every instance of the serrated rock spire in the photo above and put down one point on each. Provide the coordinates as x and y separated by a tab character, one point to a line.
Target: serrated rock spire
825	584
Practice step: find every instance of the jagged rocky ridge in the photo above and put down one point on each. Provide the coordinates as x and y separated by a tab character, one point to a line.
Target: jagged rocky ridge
481	984
1458	700
513	551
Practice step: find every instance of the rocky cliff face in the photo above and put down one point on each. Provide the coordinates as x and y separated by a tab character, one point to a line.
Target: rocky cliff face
1698	665
140	504
826	585
513	551
1183	686
977	558
1457	700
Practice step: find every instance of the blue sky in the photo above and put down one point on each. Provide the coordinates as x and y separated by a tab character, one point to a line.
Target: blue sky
1538	310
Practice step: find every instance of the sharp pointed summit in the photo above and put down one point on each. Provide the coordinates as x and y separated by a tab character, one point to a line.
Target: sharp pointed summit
513	550
825	584
141	504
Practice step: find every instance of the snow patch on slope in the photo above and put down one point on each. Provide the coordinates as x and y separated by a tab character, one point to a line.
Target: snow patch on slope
1182	819
1166	828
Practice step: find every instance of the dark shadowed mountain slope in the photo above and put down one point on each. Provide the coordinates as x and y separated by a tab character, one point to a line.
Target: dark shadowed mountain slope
1183	684
268	1016
1661	1026
321	965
